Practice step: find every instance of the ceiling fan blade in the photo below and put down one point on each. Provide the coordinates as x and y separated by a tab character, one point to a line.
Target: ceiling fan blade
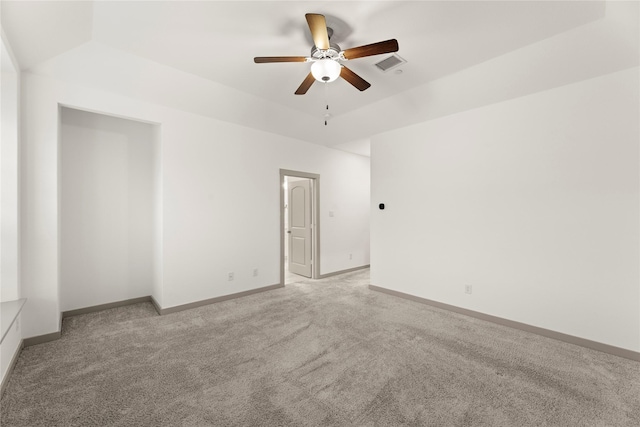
357	81
267	59
386	46
306	84
318	27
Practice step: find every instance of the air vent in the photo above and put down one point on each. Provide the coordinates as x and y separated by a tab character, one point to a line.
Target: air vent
389	63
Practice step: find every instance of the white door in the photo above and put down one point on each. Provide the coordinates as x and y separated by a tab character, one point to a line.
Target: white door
300	227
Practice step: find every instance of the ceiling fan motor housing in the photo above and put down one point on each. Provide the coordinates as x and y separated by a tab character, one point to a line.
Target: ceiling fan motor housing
333	52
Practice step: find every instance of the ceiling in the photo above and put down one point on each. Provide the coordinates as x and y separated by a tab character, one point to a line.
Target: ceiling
217	40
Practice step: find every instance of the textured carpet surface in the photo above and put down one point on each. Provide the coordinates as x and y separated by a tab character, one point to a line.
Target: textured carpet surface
326	352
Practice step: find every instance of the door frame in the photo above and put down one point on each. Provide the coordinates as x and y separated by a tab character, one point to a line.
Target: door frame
315	220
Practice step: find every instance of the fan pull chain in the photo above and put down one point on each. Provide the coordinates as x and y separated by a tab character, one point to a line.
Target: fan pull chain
326	100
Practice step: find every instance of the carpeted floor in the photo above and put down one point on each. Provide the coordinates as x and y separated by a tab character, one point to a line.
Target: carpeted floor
327	352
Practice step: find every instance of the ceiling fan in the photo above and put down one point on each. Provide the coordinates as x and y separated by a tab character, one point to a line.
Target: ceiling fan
327	57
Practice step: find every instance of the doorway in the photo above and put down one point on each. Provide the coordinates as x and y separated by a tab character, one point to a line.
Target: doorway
299	226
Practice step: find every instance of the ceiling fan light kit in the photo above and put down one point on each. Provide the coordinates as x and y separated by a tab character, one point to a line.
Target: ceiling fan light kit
327	57
325	70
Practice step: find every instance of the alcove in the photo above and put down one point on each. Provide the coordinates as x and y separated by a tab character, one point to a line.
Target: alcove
109	209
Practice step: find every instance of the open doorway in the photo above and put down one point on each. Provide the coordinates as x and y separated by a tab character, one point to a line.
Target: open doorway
299	226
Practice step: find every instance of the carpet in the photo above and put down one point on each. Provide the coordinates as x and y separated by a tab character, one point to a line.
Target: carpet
315	353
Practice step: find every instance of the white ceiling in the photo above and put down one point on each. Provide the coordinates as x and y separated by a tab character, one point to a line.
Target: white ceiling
217	40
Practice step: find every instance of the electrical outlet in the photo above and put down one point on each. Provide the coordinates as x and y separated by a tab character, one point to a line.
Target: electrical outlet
468	289
350	256
255	272
230	276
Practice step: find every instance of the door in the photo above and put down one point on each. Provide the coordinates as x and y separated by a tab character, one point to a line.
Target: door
300	227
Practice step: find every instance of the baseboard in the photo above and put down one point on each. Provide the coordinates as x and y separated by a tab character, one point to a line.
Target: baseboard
195	304
41	339
12	365
582	342
349	270
107	306
156	305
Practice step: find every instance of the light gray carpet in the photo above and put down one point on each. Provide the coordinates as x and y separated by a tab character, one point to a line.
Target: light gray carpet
329	352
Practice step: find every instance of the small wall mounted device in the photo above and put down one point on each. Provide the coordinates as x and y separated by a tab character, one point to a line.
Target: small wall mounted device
381	206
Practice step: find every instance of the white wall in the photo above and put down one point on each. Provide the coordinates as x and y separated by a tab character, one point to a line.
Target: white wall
107	209
220	199
9	183
9	197
222	206
534	202
350	216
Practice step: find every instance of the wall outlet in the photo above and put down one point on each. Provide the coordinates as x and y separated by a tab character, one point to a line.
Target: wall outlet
350	256
331	214
230	277
468	289
255	272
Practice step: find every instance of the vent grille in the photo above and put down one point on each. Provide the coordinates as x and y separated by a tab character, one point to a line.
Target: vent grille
389	63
